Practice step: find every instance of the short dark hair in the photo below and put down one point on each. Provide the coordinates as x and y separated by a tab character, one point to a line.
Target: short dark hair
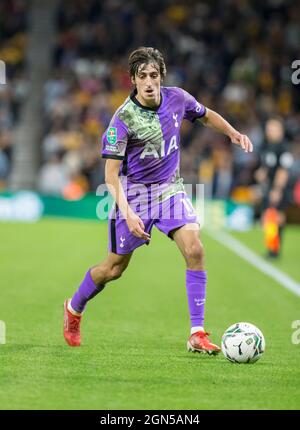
145	55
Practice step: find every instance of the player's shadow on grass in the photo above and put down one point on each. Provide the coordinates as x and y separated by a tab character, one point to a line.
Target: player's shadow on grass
203	358
33	348
210	360
13	347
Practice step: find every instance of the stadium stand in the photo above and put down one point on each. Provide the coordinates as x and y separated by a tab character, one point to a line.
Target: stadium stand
246	78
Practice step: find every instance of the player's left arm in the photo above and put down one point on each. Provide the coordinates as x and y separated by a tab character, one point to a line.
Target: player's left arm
214	120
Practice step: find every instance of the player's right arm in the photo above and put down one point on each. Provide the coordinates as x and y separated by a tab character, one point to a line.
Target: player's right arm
112	180
114	144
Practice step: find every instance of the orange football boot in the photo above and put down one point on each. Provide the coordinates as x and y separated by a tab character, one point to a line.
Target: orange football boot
199	342
71	326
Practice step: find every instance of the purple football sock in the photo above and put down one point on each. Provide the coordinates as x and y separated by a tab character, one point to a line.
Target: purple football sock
196	293
87	290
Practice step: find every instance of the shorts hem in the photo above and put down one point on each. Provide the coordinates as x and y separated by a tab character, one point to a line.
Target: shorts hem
179	226
128	252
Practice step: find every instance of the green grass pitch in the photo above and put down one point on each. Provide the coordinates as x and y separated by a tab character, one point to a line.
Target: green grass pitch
134	333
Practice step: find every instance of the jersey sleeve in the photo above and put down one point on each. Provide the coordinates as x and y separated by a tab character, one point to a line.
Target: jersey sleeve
114	139
193	109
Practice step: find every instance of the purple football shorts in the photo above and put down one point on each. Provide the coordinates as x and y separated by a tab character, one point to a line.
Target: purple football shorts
167	215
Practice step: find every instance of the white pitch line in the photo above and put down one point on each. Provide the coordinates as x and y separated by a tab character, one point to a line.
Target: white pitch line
244	252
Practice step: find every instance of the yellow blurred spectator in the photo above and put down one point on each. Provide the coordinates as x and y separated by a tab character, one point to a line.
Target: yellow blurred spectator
243	194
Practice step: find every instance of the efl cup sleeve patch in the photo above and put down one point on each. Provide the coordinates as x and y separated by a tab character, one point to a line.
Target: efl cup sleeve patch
112	135
114	140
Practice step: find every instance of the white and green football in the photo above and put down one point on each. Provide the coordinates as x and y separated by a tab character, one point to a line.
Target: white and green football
243	343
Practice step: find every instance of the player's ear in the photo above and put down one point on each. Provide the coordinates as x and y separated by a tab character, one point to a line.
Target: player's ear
132	80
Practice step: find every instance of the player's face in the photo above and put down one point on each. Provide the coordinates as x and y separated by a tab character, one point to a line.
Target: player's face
147	81
274	131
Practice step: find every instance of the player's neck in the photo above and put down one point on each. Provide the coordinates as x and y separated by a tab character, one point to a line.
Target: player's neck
148	103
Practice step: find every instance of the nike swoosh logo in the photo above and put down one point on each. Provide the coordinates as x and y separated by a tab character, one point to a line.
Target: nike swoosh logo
200	303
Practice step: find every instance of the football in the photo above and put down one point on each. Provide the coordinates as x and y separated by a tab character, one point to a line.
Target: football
243	343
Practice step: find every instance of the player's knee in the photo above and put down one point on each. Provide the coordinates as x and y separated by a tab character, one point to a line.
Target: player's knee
116	271
195	252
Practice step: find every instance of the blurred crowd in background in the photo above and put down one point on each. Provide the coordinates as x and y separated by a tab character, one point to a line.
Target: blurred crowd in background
234	56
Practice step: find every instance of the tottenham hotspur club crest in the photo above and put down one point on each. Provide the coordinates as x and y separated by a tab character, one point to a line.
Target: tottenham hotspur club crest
122	239
175	115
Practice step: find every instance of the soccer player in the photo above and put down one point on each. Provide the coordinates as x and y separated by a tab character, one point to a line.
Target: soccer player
141	145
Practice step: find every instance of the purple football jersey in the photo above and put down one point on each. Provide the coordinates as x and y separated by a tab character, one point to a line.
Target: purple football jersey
147	139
